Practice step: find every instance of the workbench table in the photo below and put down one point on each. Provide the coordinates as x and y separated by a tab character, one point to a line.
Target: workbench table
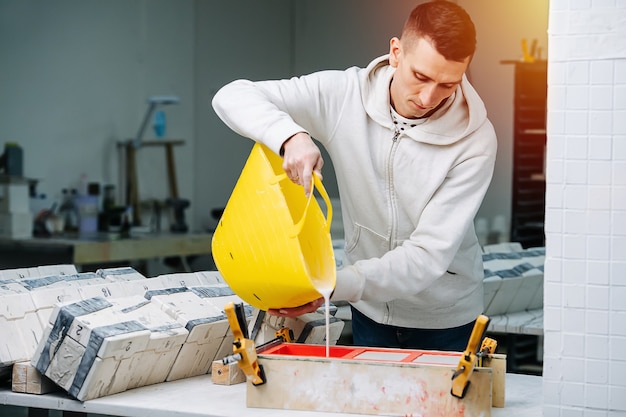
198	396
101	248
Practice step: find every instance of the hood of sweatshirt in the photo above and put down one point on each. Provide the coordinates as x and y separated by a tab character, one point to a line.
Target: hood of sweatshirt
443	127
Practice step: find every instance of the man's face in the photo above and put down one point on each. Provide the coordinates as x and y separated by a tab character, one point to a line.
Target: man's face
423	77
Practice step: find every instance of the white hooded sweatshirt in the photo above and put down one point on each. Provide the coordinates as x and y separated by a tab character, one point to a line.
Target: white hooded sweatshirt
408	198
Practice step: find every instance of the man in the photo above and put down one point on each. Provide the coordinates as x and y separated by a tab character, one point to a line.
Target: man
413	153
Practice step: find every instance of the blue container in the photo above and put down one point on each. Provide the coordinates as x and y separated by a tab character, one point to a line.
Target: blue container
159	123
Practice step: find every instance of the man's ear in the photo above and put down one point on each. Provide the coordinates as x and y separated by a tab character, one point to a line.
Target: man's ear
395	48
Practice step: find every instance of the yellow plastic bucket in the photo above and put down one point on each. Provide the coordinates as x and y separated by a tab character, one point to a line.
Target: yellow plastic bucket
272	244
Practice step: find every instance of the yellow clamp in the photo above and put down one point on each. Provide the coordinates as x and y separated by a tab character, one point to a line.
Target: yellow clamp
244	350
285	333
460	377
487	348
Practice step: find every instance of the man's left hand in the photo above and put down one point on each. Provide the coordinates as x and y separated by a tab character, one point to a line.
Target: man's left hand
297	311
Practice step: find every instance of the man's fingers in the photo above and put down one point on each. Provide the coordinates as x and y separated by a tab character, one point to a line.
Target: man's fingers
300	158
297	311
287	312
307	183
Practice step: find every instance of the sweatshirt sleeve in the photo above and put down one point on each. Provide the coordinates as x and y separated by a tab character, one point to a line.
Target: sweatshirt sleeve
247	109
270	112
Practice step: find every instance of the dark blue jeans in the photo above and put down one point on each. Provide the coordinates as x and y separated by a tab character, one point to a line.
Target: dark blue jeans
366	332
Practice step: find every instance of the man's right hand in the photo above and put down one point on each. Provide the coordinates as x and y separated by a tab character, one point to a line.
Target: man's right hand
301	157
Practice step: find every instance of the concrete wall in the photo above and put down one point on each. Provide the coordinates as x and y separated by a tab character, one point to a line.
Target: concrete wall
74	80
234	39
76	76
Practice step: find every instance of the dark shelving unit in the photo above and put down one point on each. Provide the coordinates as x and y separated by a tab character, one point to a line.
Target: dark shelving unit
529	144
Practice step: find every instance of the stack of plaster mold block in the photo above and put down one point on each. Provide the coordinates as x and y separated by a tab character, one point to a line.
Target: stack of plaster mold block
46	291
201	311
513	279
120	274
101	346
19	314
19	325
38	271
185	280
28	296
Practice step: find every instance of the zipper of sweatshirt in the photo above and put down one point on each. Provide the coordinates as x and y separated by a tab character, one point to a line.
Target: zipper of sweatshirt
392	208
392	199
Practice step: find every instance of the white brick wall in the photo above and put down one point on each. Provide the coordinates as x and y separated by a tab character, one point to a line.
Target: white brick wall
585	271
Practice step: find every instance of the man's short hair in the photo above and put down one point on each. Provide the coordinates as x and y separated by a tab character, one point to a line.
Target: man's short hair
447	25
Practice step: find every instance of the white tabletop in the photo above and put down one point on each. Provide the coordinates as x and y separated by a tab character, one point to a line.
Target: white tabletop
198	396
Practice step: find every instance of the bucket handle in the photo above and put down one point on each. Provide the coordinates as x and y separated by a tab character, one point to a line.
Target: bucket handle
320	188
